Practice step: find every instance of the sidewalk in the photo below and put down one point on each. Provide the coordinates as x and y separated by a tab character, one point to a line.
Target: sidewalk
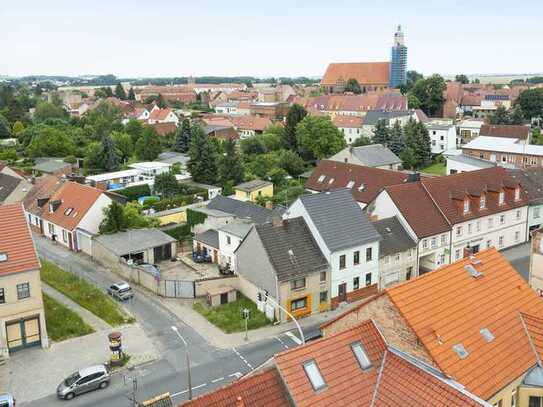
216	337
35	373
96	323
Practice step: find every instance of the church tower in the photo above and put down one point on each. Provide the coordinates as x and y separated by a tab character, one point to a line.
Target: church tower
398	60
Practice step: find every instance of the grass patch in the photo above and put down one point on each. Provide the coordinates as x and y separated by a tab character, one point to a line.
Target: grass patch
436	169
83	293
62	323
228	316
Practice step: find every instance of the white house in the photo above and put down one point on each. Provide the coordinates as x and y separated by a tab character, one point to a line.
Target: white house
230	237
347	239
442	135
158	115
151	168
468	129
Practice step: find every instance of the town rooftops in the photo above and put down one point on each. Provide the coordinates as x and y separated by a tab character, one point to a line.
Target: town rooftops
250	122
254	185
339	219
43	188
353	122
365	73
375	155
172	157
357	367
133	241
147	165
365	182
395	237
163	129
17	252
502	130
291	248
239	229
241	209
482	329
160	114
504	145
8	184
532	182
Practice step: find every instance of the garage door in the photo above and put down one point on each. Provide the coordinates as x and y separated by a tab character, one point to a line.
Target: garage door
84	243
23	333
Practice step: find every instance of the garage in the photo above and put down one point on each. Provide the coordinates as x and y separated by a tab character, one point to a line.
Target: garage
23	333
84	242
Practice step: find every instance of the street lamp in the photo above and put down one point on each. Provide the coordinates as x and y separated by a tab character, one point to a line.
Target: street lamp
174	328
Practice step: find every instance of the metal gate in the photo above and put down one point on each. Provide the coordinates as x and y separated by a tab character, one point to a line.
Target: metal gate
179	288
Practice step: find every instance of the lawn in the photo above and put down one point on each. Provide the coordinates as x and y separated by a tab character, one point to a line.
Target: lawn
83	293
436	169
228	316
62	323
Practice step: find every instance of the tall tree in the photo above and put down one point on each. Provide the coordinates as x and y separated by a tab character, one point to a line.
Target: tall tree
120	92
51	142
123	145
500	116
109	156
417	140
531	102
4	128
46	110
135	129
429	92
361	141
463	79
161	102
397	142
381	133
114	220
202	164
230	168
295	115
318	138
182	137
353	86
148	146
166	185
131	94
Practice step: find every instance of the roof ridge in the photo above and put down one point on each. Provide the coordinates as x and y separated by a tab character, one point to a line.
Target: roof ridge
379	377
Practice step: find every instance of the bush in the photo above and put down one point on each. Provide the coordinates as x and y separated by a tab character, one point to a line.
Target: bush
181	232
133	193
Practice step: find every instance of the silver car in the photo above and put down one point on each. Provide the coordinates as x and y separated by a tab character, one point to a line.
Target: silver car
91	378
121	291
7	400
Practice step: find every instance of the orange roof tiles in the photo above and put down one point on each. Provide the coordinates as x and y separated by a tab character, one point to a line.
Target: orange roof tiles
251	122
44	187
448	307
503	130
366	73
338	175
73	195
16	241
160	114
262	389
348	121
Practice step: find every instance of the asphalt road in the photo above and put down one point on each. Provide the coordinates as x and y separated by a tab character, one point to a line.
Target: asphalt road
210	367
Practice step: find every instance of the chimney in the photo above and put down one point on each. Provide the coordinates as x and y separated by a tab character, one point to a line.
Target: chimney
277	221
269	205
239	402
468	252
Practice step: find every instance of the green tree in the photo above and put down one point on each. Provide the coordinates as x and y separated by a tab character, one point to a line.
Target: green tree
123	145
413	102
135	219
102	120
18	128
114	220
148	146
51	142
361	141
463	79
131	94
417	140
135	129
353	86
46	110
531	102
252	146
516	116
166	185
92	161
381	133
202	164
182	137
318	137
109	157
291	162
500	116
397	142
4	128
408	158
278	176
120	92
295	115
103	92
161	102
230	168
429	92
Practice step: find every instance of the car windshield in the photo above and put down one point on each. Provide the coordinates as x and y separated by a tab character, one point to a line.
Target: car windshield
72	379
125	289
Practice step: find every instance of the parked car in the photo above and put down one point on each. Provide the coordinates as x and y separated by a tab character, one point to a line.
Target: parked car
88	379
199	257
121	291
7	400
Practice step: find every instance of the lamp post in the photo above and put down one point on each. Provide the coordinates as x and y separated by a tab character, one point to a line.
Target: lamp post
267	298
174	328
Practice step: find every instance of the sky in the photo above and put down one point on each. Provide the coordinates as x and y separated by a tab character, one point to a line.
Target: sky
155	38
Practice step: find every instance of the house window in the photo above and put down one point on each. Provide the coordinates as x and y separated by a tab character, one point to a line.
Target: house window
409	273
535	401
297	284
500	241
397	259
228	240
361	355
459	231
368	279
368	254
300	303
342	261
466	205
387	259
64	236
502	219
490	223
443	239
469	228
457	254
356	257
536	212
518	215
323	276
323	296
356	283
425	244
2	296
434	242
23	291
478	226
517	193
51	228
489	243
482	202
501	198
321	178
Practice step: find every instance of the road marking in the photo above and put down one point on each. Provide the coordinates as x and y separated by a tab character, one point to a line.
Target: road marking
294	338
186	391
237	375
281	342
242	358
217	380
200	385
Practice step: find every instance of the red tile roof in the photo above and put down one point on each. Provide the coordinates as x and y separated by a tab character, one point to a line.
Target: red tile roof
338	175
449	307
366	73
251	122
16	241
471	100
262	389
72	195
348	121
44	187
502	130
160	114
164	129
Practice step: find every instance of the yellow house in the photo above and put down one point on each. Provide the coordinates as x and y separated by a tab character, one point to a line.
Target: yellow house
22	318
169	216
251	190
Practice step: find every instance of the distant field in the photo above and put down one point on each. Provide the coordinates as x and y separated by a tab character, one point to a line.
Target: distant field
496	79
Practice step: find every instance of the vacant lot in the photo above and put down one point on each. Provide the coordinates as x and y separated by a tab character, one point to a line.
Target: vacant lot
62	323
435	169
83	293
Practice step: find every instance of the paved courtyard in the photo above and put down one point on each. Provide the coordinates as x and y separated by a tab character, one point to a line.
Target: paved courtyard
186	269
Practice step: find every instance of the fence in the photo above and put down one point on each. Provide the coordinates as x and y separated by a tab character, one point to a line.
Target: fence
179	288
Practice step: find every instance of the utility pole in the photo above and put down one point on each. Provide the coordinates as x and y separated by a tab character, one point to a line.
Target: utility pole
187	357
132	394
267	298
245	313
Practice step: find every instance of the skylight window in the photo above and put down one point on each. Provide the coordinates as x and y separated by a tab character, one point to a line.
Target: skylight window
350	184
460	351
473	271
314	375
3	257
68	211
361	187
321	178
485	333
361	355
330	180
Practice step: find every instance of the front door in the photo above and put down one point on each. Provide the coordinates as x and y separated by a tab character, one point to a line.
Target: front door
70	242
23	334
475	249
224	298
342	292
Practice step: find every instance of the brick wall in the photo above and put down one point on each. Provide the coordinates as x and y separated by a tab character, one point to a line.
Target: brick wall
360	294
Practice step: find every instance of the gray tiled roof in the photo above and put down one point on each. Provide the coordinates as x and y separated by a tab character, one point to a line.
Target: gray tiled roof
239	229
375	155
7	185
172	157
466	159
531	180
135	240
253	185
291	248
373	116
209	237
339	219
242	209
395	237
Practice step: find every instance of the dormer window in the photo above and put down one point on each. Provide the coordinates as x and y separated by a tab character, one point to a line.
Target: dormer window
517	193
482	201
466	205
501	198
